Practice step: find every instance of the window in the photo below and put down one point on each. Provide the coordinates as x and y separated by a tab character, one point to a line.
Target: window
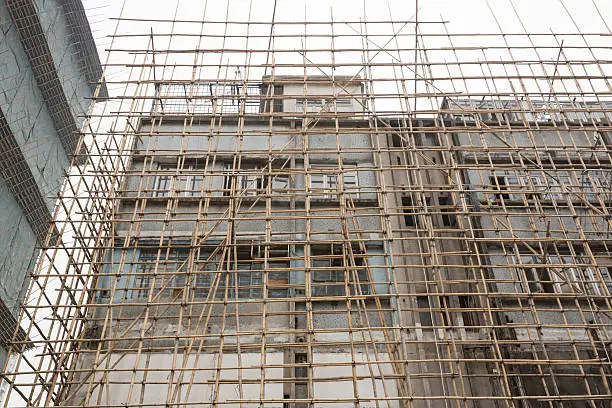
447	209
500	188
340	103
537	276
278	279
465	302
302	370
596	182
248	281
211	275
209	278
555	274
328	267
444	310
242	274
558	184
171	272
278	270
564	272
247	181
424	311
163	180
543	117
533	186
280	181
398	140
309	102
351	183
193	182
175	265
593	283
411	211
190	179
142	280
327	281
607	278
325	185
275	101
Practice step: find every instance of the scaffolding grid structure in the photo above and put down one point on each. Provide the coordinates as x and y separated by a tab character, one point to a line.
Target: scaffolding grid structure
331	213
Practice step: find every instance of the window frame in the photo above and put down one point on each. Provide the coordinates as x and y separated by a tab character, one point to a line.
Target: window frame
243	178
330	182
167	178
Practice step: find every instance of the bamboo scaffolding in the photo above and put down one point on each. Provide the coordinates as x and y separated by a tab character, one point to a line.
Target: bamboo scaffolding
331	213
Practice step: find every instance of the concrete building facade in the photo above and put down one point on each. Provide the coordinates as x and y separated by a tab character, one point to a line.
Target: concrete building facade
324	262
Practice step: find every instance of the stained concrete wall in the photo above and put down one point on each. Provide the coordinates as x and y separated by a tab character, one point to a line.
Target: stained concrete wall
201	371
325	102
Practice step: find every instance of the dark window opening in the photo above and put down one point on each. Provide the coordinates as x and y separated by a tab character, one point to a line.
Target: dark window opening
411	210
301	371
499	185
465	302
545	279
410	217
272	102
424	311
444	311
539	280
449	218
328	272
396	141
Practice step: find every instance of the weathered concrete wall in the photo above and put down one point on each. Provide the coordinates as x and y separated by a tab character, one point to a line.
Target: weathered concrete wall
368	366
343	102
200	370
201	373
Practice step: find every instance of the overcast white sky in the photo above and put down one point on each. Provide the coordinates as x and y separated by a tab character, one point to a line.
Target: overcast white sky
462	16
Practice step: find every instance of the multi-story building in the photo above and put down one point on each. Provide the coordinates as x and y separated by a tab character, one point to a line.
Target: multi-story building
535	179
261	243
279	242
49	71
